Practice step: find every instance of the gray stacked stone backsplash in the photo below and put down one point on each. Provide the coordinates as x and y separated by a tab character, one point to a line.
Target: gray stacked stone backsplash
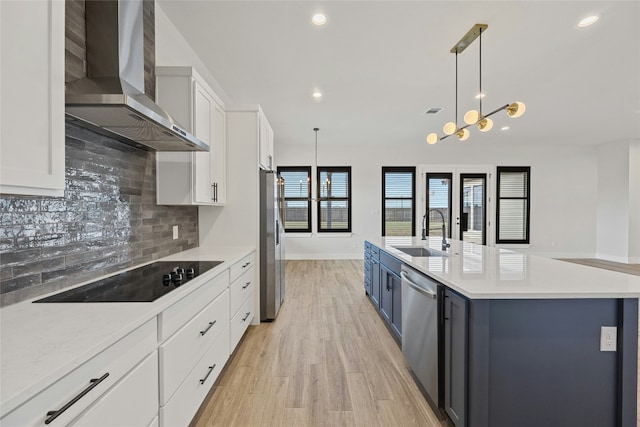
107	220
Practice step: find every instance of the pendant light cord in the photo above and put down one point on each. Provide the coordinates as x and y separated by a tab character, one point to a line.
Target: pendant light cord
316	162
456	118
480	72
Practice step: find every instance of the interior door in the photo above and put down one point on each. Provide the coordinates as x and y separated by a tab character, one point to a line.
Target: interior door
473	208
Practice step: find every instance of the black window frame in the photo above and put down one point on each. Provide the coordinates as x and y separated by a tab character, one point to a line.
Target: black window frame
307	199
527	198
348	199
399	169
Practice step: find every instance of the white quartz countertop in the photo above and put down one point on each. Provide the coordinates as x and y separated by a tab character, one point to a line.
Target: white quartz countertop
483	272
40	343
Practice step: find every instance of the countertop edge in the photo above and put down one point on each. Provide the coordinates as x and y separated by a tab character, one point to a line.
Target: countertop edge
433	244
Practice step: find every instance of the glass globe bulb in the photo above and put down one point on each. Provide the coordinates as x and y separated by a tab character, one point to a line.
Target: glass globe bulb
432	138
471	117
463	134
449	128
516	109
485	125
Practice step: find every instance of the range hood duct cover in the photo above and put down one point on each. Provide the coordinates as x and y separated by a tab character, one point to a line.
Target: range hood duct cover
111	99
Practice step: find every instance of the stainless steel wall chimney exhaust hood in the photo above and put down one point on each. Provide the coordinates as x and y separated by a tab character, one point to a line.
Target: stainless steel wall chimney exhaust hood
111	100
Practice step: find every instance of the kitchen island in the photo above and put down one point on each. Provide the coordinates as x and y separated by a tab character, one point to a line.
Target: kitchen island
520	336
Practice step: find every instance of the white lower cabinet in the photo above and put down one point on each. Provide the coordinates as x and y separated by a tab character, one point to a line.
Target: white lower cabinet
241	321
67	398
180	352
159	374
240	290
132	402
176	316
179	411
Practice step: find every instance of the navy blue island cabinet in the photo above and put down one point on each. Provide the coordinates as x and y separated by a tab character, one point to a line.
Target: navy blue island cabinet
530	360
537	362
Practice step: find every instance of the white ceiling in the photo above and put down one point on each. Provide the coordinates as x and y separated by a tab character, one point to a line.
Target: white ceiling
381	64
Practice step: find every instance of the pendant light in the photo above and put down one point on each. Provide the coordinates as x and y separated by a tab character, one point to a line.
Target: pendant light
474	117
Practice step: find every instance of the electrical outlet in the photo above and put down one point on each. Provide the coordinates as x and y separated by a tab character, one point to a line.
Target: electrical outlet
608	338
175	232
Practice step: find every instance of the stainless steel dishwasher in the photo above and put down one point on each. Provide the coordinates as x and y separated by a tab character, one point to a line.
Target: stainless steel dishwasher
420	329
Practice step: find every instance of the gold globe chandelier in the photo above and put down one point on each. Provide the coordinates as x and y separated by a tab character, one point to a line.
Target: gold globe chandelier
473	117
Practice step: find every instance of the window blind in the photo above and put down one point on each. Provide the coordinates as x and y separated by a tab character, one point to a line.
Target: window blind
513	205
398	188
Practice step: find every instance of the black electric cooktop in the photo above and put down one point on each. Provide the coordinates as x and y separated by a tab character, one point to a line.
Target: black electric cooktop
142	284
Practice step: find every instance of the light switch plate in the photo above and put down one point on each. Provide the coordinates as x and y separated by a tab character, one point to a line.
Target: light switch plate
608	338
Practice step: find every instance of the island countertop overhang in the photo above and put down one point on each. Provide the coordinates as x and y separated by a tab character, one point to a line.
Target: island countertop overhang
483	272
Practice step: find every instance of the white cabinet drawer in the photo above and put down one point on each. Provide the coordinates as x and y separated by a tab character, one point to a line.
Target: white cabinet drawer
241	266
180	353
131	402
187	399
240	290
240	322
115	361
174	317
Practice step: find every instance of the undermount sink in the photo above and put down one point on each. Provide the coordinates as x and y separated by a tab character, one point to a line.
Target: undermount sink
419	251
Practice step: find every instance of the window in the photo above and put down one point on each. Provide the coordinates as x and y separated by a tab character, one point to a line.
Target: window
297	198
398	201
334	204
513	204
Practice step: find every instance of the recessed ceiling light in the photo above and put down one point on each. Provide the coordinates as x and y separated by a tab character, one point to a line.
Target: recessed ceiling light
504	128
317	94
319	19
480	95
589	20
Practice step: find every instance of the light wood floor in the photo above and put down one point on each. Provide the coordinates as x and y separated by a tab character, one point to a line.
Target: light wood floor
607	265
327	360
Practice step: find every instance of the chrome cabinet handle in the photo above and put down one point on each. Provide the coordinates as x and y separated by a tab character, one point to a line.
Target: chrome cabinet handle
208	327
211	368
55	414
246	317
246	286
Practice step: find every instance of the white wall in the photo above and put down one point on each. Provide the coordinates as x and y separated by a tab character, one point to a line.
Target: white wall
563	192
173	50
634	202
618	214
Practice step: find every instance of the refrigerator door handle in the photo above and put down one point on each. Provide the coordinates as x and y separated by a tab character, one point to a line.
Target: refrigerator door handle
277	232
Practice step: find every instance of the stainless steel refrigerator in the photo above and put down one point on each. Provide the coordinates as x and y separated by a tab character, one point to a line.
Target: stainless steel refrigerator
271	245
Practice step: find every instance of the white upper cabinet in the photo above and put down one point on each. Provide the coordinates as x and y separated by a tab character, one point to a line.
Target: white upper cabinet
192	178
265	143
32	97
